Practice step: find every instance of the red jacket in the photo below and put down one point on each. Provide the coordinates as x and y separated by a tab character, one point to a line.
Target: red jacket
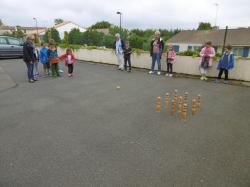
65	56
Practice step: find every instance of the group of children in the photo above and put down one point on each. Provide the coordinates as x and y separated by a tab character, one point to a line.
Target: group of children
207	54
49	58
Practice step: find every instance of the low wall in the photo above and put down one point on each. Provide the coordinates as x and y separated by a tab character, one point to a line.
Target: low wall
184	64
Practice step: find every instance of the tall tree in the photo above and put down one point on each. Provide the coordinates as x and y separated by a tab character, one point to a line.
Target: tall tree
204	26
58	21
1	22
66	38
101	25
52	34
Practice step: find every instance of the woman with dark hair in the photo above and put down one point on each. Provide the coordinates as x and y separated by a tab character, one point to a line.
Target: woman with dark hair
156	49
29	57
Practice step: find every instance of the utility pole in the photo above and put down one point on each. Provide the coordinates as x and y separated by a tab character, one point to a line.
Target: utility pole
118	12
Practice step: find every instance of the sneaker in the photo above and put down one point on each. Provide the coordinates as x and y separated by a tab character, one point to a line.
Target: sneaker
60	71
69	75
202	78
205	78
31	81
167	74
170	75
158	73
151	72
129	71
217	81
226	82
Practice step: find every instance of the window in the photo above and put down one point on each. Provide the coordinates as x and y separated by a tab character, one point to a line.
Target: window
13	41
176	48
238	51
3	41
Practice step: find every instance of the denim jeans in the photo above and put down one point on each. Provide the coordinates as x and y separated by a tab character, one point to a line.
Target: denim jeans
156	57
30	67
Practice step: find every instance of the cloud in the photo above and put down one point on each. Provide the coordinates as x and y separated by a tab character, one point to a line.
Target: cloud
136	13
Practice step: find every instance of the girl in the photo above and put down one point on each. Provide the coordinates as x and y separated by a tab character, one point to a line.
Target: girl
207	53
170	60
35	69
225	64
69	61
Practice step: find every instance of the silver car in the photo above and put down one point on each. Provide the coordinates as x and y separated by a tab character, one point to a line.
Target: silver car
10	47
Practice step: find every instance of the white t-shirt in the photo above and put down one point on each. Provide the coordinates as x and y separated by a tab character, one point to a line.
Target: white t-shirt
69	59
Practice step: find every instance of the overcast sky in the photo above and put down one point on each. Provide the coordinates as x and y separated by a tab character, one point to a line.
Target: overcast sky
170	14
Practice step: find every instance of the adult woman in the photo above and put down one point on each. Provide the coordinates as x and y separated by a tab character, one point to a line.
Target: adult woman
156	49
29	58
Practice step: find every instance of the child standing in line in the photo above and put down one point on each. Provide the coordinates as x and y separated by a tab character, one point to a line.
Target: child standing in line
44	59
207	53
127	57
225	64
53	59
69	61
35	69
170	60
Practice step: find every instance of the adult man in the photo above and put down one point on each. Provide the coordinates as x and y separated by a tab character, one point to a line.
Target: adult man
29	58
119	48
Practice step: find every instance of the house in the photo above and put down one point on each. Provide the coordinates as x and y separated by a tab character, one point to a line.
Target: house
32	30
195	39
6	29
65	26
26	30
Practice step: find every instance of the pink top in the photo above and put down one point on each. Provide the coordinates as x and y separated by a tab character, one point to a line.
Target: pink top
207	52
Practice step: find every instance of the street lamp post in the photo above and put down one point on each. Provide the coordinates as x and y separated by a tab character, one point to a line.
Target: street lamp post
118	12
36	27
216	14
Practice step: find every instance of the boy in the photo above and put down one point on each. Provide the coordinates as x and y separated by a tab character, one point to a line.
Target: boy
225	64
44	59
127	57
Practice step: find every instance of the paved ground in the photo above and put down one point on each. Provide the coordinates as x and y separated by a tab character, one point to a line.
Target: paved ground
84	132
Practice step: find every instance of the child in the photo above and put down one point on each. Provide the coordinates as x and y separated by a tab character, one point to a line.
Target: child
225	63
127	57
69	61
207	53
170	60
53	59
44	59
35	68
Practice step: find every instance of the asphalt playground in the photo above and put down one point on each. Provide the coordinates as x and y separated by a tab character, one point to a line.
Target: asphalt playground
83	131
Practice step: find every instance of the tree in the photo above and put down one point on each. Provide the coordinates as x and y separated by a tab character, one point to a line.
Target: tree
75	37
18	33
1	22
58	21
66	38
136	41
204	26
52	34
101	25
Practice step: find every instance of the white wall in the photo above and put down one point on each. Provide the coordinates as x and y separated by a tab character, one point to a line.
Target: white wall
184	64
68	27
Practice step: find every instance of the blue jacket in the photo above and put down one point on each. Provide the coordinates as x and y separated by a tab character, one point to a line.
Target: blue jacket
230	64
44	55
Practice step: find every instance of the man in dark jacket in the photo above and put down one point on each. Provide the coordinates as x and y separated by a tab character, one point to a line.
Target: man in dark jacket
29	57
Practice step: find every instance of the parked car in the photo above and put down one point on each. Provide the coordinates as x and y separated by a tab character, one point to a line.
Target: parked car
10	47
